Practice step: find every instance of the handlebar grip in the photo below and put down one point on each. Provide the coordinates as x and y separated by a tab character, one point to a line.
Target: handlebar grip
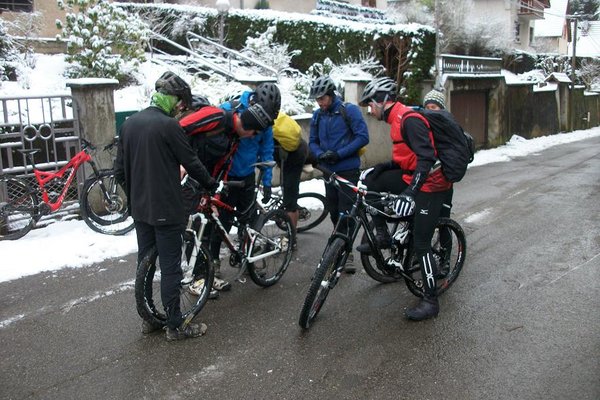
235	184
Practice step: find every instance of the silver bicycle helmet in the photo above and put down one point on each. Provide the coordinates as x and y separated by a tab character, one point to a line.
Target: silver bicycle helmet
321	86
268	95
256	117
380	89
171	84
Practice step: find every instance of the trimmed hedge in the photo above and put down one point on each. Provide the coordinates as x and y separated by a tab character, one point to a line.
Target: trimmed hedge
317	37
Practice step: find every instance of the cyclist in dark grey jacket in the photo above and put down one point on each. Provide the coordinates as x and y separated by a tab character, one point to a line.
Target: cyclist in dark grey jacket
152	146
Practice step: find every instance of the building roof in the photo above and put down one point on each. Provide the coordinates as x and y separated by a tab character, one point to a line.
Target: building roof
559	77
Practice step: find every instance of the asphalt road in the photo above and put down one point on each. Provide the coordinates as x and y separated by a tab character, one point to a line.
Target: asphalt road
522	321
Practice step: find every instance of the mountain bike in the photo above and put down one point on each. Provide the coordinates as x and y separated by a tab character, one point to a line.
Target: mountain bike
103	203
263	249
448	246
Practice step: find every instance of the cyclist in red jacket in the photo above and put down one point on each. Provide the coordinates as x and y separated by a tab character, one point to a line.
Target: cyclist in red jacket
416	175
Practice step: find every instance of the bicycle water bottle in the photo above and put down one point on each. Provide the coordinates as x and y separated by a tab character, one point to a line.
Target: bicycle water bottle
401	234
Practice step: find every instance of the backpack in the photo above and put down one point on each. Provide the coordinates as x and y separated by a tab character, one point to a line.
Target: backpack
455	147
344	115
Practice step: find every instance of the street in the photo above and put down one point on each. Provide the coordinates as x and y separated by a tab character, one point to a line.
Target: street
522	321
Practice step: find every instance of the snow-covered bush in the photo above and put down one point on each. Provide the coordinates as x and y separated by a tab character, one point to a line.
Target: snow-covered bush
103	40
264	49
589	73
8	53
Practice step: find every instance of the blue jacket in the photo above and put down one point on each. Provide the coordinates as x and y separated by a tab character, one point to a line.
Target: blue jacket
333	133
252	149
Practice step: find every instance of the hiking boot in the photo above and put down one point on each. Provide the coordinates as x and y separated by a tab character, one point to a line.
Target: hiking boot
428	307
221	285
349	268
381	241
149	327
187	332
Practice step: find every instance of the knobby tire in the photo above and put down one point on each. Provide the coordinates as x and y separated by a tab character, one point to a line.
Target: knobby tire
321	282
18	208
275	227
109	218
148	293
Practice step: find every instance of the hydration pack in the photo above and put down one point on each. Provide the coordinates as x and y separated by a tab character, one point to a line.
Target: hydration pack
455	148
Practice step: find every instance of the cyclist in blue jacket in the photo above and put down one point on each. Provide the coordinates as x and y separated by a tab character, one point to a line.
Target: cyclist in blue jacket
257	148
337	132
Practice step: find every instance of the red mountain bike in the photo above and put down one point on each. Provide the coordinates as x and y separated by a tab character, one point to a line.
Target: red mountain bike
103	203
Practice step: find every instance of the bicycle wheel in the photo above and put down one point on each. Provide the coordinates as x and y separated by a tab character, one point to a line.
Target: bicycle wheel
449	248
195	287
275	235
18	208
321	283
312	211
379	272
104	205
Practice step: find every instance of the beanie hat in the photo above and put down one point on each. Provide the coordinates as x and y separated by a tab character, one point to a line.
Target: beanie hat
435	97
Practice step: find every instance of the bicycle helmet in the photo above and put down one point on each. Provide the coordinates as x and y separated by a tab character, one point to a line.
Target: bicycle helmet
199	101
379	90
268	95
256	118
321	86
170	83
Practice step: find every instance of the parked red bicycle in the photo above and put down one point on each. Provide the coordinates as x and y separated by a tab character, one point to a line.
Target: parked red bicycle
103	203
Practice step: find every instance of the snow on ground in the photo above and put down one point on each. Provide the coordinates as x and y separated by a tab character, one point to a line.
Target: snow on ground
71	244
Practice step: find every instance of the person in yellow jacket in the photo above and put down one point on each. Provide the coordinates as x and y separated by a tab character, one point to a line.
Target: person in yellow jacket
291	152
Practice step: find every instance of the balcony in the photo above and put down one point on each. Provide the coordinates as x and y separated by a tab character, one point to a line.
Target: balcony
532	9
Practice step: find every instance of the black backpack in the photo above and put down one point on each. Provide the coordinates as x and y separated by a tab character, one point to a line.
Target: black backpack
455	147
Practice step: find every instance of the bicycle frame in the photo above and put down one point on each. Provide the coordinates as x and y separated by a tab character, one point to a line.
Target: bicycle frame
43	177
209	208
357	217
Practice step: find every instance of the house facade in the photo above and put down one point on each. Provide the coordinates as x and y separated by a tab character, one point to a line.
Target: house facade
517	17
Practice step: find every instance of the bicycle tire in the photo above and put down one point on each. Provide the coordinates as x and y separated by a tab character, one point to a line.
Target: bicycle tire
379	272
453	255
275	230
312	209
19	210
321	283
109	218
148	293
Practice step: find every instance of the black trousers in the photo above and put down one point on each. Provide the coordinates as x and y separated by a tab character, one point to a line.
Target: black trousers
341	201
428	209
291	164
168	240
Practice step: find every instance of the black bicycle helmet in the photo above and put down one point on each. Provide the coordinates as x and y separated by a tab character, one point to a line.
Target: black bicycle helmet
170	83
321	86
256	117
268	95
380	89
199	101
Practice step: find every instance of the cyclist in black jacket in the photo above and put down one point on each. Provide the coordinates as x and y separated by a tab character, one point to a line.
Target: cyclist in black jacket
152	146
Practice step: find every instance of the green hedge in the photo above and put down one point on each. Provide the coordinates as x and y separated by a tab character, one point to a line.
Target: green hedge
317	37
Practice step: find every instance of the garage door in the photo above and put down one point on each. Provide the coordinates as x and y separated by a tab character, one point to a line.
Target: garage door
470	110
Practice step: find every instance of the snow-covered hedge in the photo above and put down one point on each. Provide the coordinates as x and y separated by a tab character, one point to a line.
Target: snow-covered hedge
407	51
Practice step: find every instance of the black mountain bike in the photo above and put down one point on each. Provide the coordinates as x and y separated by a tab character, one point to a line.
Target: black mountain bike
448	245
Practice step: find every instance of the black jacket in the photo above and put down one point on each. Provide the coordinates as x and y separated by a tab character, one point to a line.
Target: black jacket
152	146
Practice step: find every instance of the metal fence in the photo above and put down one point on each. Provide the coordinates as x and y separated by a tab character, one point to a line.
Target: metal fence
48	123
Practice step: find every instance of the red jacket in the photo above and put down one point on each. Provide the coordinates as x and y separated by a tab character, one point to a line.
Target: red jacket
414	149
